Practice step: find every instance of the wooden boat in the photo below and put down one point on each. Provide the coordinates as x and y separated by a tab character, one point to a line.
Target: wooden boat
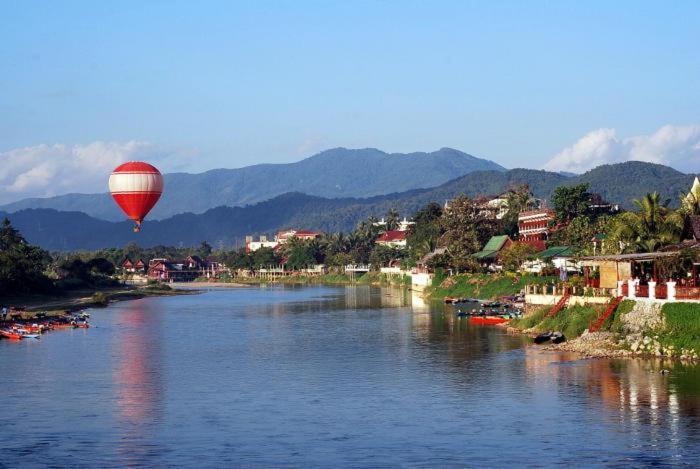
10	334
81	325
542	338
488	319
558	338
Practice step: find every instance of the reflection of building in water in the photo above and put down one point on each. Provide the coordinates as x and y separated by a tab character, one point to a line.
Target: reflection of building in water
647	402
393	297
418	303
357	296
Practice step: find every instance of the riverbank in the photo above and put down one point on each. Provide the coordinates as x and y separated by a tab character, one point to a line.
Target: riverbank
484	286
370	278
29	305
635	329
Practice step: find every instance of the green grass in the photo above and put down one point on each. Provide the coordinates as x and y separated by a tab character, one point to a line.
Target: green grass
370	278
682	326
531	319
571	321
484	285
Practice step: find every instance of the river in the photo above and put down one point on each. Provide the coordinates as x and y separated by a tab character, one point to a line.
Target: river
328	376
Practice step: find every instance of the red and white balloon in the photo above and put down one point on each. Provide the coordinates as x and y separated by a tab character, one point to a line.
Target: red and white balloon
136	187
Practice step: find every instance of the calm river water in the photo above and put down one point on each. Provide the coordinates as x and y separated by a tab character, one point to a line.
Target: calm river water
324	376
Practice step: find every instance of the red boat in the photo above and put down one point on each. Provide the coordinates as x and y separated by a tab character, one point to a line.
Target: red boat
10	334
488	319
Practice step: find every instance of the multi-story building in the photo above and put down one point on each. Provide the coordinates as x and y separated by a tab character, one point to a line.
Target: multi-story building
534	225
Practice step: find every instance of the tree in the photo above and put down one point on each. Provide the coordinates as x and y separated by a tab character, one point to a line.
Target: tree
460	222
22	265
204	250
651	227
265	257
392	219
514	255
519	199
300	253
571	201
383	255
424	234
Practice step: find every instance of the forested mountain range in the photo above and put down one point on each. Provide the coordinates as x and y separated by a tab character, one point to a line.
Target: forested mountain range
57	230
335	173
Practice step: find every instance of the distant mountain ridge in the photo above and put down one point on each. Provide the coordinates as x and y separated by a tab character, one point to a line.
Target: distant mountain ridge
335	173
55	230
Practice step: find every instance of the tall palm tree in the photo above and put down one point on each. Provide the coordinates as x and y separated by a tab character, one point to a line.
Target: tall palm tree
651	227
392	219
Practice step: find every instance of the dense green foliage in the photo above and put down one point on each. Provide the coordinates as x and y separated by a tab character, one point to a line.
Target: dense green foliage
570	202
22	266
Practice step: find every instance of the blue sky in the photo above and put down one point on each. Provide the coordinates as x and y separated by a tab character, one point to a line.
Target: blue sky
228	84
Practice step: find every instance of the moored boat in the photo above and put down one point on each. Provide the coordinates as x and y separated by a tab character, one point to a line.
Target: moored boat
488	319
542	338
10	334
558	338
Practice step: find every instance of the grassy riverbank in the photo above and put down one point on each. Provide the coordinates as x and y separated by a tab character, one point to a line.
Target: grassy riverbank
572	321
634	329
483	286
370	278
682	326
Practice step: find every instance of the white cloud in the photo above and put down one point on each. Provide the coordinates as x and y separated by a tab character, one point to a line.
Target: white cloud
678	147
48	170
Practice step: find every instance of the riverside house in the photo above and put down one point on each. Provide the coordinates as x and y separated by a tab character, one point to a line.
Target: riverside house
393	238
129	266
280	238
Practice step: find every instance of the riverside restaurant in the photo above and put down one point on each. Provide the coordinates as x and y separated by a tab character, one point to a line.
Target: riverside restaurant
654	275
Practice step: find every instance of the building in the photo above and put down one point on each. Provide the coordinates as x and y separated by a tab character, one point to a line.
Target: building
489	254
129	266
393	238
493	207
404	224
262	242
283	236
280	238
534	226
560	257
165	270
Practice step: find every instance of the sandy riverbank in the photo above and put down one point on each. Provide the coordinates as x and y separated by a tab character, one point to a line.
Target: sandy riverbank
81	299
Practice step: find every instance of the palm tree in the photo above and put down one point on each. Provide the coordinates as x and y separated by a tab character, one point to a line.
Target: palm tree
651	227
392	219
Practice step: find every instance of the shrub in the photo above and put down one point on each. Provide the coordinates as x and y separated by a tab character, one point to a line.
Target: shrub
100	299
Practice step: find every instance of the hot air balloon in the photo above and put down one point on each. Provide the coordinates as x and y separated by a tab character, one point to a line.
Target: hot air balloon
136	187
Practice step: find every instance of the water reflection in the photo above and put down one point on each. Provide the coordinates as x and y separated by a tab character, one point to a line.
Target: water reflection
137	380
330	376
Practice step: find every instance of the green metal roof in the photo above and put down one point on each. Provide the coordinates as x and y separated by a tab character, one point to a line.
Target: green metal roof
491	249
556	251
496	243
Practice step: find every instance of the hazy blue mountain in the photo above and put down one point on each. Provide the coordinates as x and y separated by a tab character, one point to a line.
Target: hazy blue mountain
227	226
335	173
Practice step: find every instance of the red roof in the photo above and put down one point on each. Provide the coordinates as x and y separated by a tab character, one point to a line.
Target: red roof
392	236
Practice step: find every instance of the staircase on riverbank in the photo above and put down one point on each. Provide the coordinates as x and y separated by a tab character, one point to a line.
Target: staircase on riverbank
612	306
560	305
